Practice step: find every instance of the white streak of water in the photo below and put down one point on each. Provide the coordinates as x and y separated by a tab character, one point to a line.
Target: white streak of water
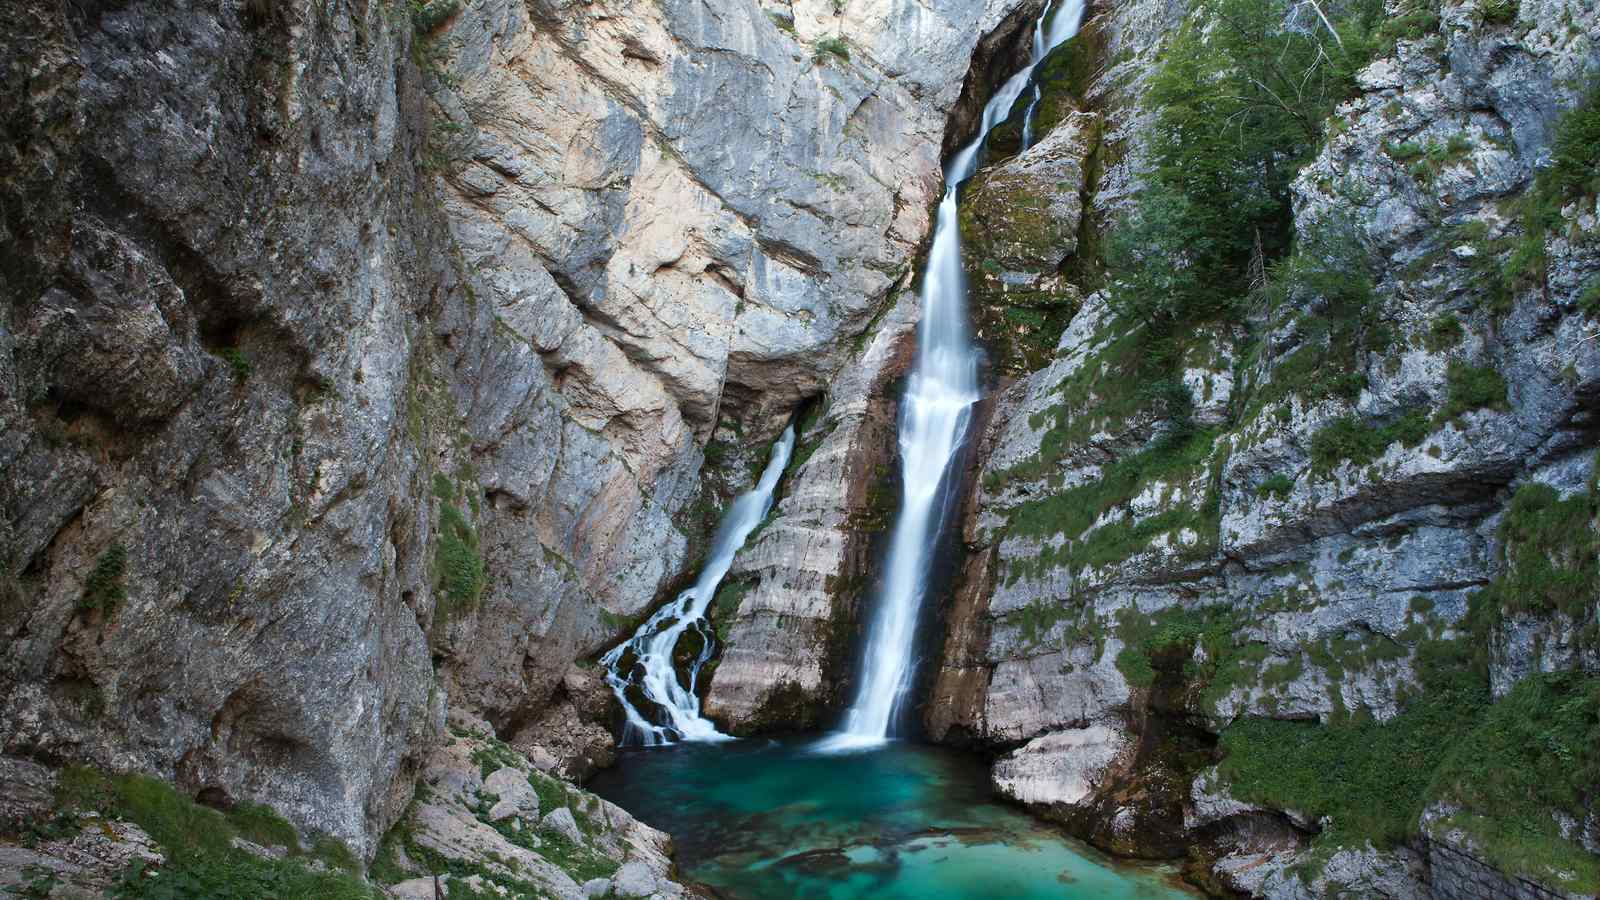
933	421
649	652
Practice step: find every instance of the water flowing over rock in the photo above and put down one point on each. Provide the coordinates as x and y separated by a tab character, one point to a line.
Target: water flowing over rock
368	370
647	663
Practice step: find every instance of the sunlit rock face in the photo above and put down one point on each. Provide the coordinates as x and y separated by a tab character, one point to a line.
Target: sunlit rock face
360	364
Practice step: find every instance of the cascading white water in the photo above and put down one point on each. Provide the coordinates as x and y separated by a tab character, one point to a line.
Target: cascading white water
649	651
933	423
1063	26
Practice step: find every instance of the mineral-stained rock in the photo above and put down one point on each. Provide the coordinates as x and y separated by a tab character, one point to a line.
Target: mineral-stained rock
794	589
1019	224
365	359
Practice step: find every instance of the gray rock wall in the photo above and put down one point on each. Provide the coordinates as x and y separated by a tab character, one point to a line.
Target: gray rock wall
1334	575
360	358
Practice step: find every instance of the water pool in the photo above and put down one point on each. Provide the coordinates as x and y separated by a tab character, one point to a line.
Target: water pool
762	819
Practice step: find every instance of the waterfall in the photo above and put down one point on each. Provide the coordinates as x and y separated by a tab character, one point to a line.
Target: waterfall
1062	27
649	652
933	422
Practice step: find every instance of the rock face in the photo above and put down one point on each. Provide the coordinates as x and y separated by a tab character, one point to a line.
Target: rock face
358	362
788	614
1119	606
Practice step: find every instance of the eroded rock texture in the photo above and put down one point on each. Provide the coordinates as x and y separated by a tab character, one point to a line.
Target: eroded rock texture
1325	583
359	360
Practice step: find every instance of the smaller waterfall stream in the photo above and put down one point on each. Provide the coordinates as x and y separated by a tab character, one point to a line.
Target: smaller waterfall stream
933	423
1063	26
648	654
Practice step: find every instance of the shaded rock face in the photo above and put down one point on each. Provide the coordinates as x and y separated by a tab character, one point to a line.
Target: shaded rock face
1019	224
359	364
212	550
1081	541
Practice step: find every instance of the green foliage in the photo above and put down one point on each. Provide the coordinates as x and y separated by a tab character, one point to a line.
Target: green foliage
1276	485
1574	171
493	754
458	567
1071	513
1472	387
261	824
1571	176
106	586
833	46
1329	272
236	360
427	17
1371	778
1497	12
1444	332
1241	103
725	605
442	488
197	841
1589	300
1349	439
784	23
553	793
1534	752
1549	547
1134	664
1413	20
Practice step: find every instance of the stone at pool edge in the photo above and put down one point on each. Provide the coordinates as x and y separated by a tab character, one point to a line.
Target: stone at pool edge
634	879
517	797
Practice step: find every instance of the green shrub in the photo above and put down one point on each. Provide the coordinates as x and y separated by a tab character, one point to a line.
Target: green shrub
1371	779
1548	546
201	860
1589	300
1134	664
1240	104
1276	485
833	46
106	586
1472	387
236	360
426	17
1574	170
1413	20
1534	752
1445	332
1349	439
459	568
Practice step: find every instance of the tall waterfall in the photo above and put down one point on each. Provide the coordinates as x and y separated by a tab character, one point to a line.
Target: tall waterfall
648	654
933	422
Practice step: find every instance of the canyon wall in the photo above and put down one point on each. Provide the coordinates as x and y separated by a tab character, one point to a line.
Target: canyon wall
361	361
1346	508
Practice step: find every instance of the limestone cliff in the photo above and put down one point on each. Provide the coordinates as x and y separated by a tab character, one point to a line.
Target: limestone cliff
1336	502
360	361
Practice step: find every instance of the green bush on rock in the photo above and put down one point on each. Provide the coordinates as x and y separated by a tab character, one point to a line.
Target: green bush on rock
201	859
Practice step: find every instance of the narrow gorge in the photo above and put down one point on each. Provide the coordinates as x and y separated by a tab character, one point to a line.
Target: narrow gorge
760	449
